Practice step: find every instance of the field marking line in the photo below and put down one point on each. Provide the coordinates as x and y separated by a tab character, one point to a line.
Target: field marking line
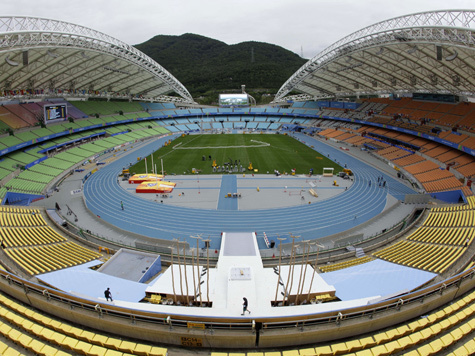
261	144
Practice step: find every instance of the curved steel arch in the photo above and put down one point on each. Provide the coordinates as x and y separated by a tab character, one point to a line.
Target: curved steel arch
64	55
426	52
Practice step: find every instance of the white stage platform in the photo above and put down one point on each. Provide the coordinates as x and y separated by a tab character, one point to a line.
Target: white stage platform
240	273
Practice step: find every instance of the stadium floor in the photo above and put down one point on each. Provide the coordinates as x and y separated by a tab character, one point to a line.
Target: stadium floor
332	212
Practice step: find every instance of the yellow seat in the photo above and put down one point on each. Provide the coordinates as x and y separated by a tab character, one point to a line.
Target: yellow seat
340	348
62	353
254	354
323	350
470	345
272	353
36	346
462	351
366	352
393	347
437	345
416	337
25	341
412	353
158	351
127	346
113	342
97	350
403	330
142	349
48	350
353	345
381	338
427	333
58	338
11	352
70	342
447	340
82	347
307	352
87	336
290	353
110	352
380	350
99	339
3	347
367	342
425	350
466	328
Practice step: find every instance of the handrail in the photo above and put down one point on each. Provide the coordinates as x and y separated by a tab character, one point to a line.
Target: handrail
237	323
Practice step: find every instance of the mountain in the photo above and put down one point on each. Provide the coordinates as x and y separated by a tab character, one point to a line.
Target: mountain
204	64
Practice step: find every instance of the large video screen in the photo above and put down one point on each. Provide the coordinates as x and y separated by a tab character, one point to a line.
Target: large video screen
55	112
233	100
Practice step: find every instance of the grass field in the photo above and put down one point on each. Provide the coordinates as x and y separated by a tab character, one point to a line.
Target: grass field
267	152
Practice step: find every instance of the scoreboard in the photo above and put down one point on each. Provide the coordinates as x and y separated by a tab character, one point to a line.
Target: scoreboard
233	100
55	112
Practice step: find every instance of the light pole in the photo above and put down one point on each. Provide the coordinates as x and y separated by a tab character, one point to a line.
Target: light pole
305	247
198	238
173	276
314	270
280	259
207	269
179	265
186	277
293	263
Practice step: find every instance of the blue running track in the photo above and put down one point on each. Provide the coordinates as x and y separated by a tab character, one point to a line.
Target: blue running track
103	195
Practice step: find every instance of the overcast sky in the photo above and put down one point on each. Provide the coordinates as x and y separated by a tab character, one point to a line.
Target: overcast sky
311	25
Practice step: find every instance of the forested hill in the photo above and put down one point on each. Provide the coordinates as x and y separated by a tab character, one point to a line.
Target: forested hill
203	64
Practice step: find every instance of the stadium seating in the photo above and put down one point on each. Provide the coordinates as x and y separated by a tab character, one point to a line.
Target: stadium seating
345	264
48	336
35	246
424	336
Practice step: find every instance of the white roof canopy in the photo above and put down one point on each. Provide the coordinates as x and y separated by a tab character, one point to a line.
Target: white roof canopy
430	52
49	55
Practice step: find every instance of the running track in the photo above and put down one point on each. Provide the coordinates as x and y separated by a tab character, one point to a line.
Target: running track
102	195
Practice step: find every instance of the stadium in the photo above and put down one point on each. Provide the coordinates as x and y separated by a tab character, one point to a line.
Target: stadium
340	217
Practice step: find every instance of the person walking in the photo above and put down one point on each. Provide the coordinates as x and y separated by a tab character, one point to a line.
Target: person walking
122	204
244	306
108	294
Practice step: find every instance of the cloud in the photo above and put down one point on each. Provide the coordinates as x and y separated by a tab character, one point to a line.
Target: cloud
311	25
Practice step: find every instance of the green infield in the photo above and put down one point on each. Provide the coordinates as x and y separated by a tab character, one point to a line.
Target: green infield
266	152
